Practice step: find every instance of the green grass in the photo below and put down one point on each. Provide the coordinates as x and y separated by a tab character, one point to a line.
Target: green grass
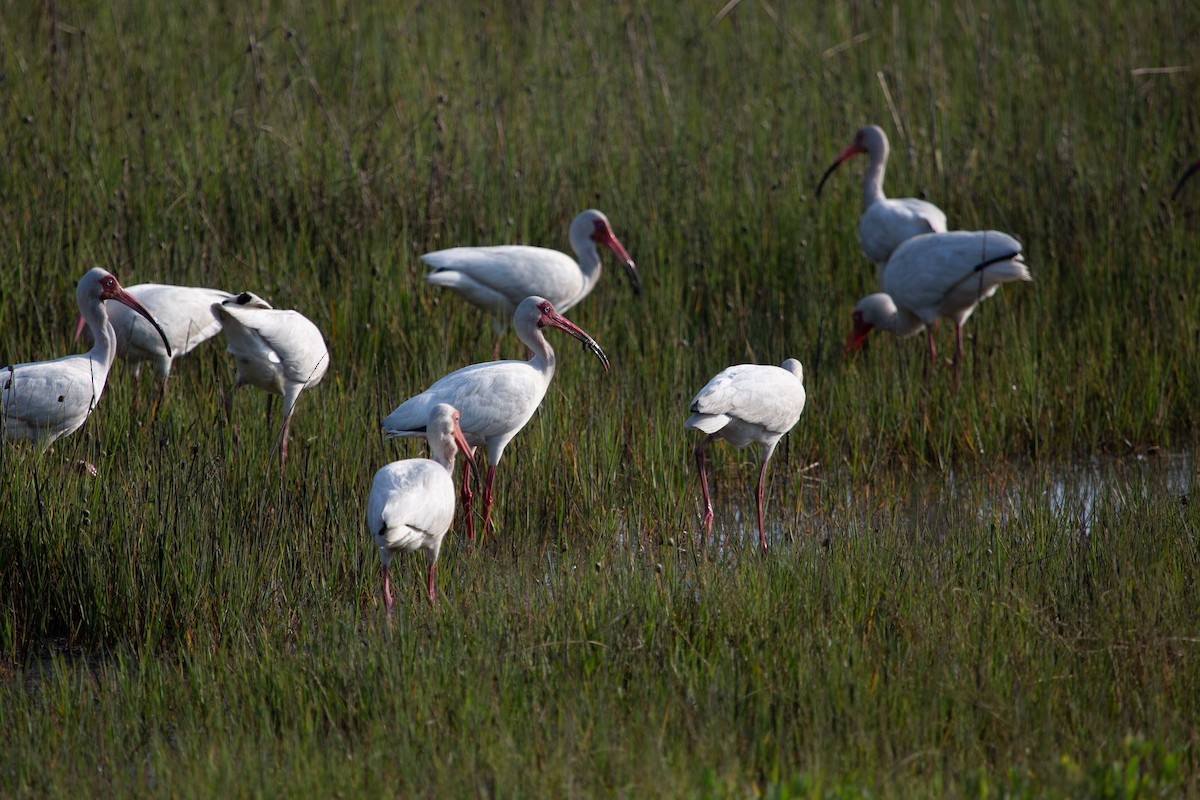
194	621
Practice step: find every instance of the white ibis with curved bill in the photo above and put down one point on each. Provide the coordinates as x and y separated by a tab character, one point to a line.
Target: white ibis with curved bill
744	404
185	313
938	275
885	222
412	501
44	400
496	398
280	352
498	278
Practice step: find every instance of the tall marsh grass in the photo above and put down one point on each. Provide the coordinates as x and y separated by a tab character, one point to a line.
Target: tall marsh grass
194	621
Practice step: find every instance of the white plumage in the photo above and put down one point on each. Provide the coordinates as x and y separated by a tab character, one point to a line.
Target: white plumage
280	352
885	223
412	501
45	400
744	404
498	278
495	399
939	275
185	313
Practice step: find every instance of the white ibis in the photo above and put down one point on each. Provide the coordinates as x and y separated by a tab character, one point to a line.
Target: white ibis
1187	173
45	400
743	404
412	501
280	352
885	223
497	279
496	398
938	275
185	313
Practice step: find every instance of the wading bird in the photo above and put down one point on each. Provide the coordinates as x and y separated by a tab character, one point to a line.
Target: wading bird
497	279
412	501
885	223
938	275
743	404
45	400
497	398
185	313
280	352
1187	173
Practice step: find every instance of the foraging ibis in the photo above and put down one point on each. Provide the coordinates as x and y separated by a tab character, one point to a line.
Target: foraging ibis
496	398
185	313
497	279
743	404
1187	173
938	275
45	400
412	501
280	352
885	222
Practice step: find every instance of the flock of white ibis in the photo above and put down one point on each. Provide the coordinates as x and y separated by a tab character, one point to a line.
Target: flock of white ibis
925	271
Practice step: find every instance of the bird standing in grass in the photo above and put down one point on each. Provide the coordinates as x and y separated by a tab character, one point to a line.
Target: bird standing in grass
744	404
44	400
412	501
496	398
498	278
938	275
185	313
885	222
280	352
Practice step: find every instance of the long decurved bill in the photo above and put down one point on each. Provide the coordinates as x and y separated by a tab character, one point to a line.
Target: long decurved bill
556	320
859	335
604	235
460	440
1187	173
116	292
848	153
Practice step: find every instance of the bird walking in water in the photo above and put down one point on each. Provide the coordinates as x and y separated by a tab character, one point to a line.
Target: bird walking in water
280	352
744	404
45	400
498	278
495	399
885	223
938	275
412	501
185	313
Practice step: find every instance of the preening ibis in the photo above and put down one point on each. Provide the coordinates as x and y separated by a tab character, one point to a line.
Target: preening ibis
281	352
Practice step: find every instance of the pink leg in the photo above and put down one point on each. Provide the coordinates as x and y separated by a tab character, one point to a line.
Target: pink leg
465	493
762	532
387	592
932	348
487	499
429	584
700	467
287	422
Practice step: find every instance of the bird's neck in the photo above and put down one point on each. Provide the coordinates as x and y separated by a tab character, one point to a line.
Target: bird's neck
543	354
903	323
589	261
873	182
104	339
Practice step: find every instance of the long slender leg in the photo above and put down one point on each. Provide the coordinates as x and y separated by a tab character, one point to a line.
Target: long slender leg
466	494
762	479
487	499
429	584
700	467
387	593
932	348
287	423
